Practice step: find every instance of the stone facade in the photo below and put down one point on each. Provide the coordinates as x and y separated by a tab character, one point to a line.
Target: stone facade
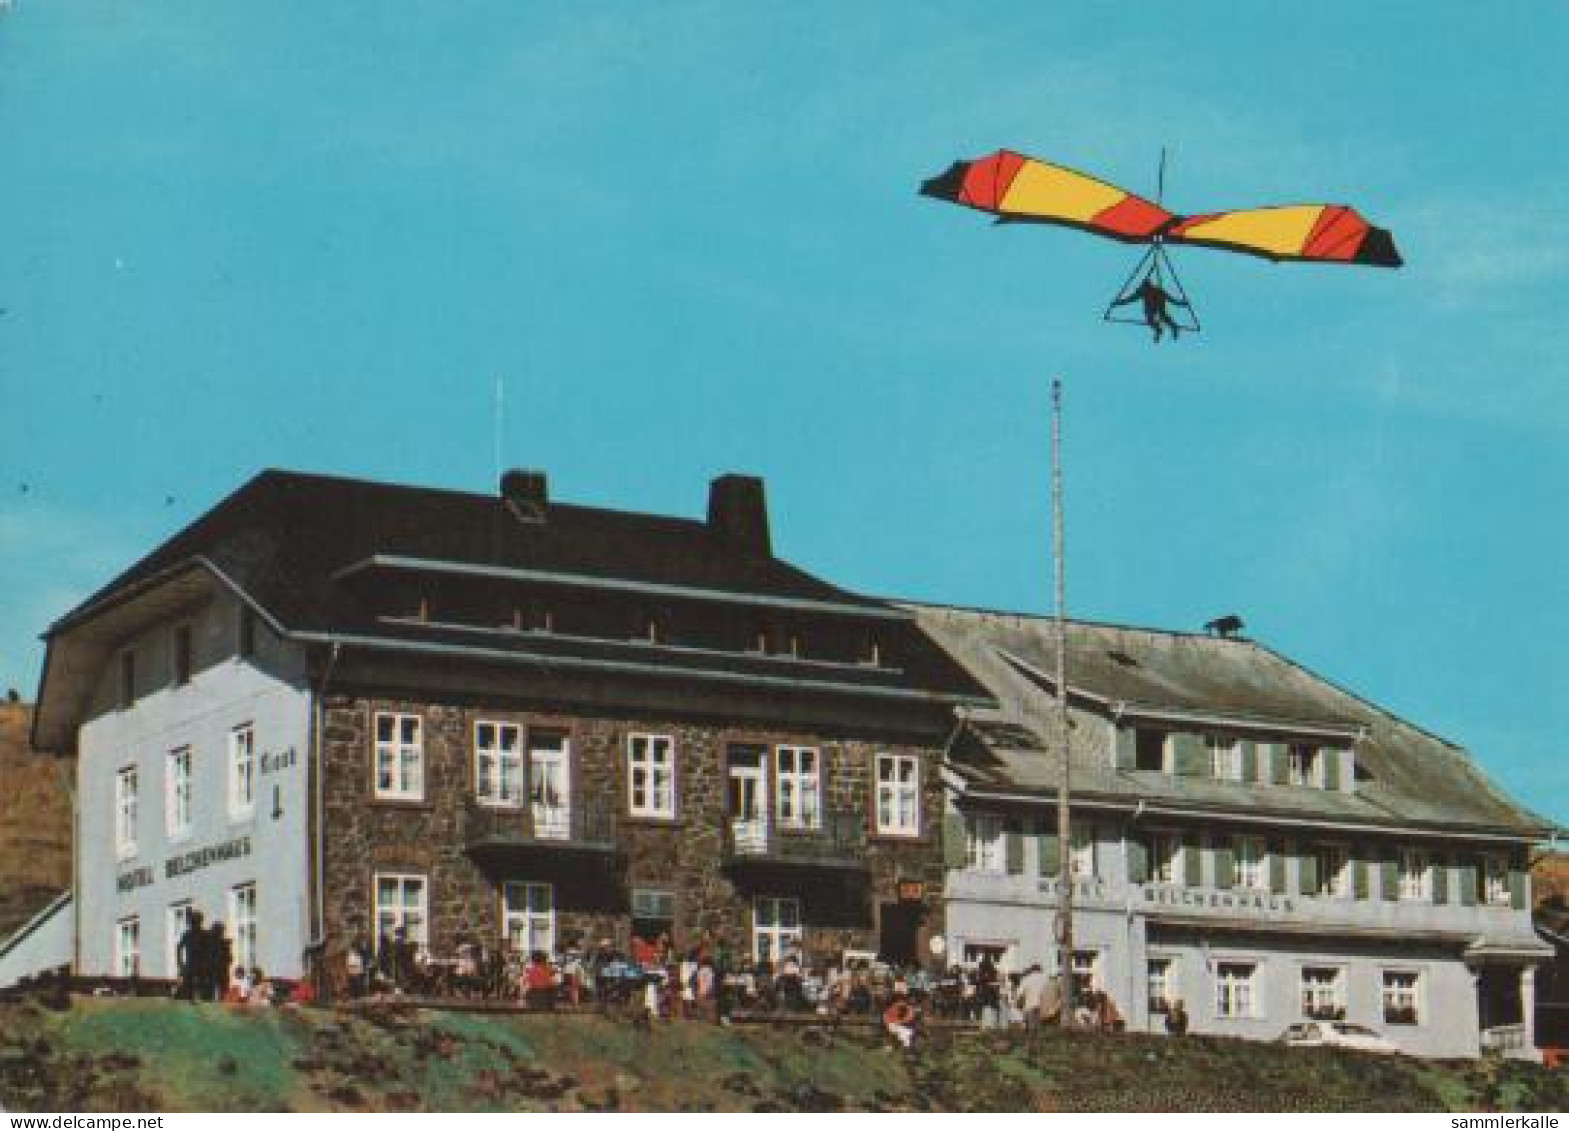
842	908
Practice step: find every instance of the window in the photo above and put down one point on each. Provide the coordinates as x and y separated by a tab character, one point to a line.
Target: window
983	848
1149	750
242	771
528	916
1400	998
1323	993
247	631
651	775
498	763
1158	979
1334	871
1416	874
898	795
1251	855
1086	972
128	948
776	927
125	813
797	796
400	757
1166	858
242	924
653	913
400	903
1081	855
550	784
1234	990
1225	757
178	919
127	678
977	952
177	792
1495	879
1301	765
182	654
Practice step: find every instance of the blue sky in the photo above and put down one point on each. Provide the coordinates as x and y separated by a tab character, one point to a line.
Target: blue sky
239	235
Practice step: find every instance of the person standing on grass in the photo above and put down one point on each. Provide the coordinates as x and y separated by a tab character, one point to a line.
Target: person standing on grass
187	956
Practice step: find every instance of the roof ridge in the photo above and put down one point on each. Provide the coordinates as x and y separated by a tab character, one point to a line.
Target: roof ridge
1081	621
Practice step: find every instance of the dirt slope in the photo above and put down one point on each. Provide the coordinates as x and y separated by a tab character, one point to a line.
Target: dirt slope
35	821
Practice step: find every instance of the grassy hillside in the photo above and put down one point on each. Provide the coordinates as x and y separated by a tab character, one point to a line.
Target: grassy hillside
102	1055
35	821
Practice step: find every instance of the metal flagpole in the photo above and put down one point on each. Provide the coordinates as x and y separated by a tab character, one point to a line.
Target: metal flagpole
1064	838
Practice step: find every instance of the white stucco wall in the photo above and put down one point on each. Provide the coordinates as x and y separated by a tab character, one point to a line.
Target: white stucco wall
267	846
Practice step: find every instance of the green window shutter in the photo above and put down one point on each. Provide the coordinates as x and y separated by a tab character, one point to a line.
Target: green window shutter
1013	851
1048	854
1277	763
1225	866
1440	879
1277	867
953	840
1390	889
1192	759
1360	884
1192	862
1517	888
1138	860
1331	768
1250	760
1466	878
1126	756
1307	873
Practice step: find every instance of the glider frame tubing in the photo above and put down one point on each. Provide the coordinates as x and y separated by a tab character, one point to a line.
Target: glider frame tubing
1155	262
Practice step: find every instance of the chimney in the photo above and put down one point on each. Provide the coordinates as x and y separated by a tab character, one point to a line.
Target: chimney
738	514
526	494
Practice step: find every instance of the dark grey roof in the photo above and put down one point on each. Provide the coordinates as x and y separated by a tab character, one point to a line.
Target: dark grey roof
1413	777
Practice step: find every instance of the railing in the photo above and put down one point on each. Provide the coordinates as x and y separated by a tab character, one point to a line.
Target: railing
1503	1038
589	825
839	841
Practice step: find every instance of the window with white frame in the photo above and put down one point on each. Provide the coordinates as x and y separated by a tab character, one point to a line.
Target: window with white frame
128	948
651	775
242	771
528	917
1323	993
1158	980
1334	871
1301	765
797	797
125	806
1401	994
1416	874
1235	995
898	795
1252	856
498	763
1166	858
242	924
550	783
177	792
1225	757
401	902
983	846
1081	856
400	757
776	927
1086	972
178	918
1495	879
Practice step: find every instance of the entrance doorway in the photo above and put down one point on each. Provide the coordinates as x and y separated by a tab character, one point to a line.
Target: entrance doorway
748	798
898	941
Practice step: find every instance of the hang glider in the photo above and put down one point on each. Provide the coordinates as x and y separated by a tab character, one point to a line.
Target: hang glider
1019	189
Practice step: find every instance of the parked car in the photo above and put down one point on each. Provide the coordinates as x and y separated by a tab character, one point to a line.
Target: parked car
1337	1034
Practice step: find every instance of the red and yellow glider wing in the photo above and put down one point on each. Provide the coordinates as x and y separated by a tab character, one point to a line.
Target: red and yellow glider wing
1021	189
1017	188
1320	233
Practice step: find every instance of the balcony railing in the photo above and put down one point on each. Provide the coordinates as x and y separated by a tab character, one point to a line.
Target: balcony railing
590	826
838	842
1504	1038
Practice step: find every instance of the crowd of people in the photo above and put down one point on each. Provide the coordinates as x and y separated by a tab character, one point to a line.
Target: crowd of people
204	956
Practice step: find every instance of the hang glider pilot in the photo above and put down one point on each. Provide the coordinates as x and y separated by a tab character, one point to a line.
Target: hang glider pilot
1155	298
